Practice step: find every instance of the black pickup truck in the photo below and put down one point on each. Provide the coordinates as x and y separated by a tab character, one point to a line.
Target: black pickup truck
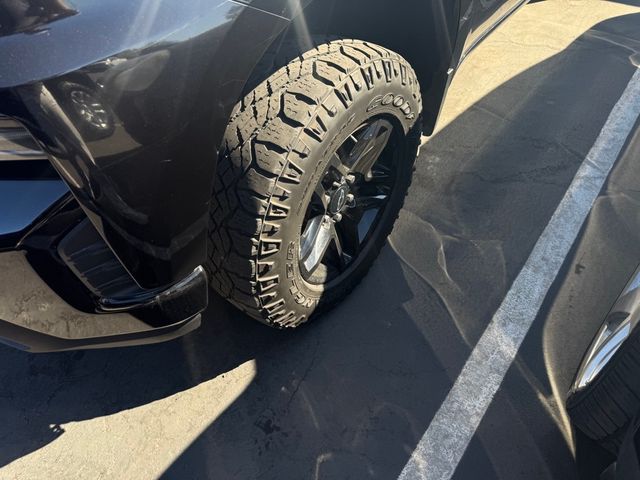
149	150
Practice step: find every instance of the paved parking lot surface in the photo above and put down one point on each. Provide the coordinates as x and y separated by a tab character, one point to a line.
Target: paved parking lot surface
352	395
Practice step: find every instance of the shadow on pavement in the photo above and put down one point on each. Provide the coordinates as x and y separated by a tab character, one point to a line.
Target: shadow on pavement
350	396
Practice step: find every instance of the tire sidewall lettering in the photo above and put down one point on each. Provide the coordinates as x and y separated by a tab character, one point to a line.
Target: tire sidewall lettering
391	100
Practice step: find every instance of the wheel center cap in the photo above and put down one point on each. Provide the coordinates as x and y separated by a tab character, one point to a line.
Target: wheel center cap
338	199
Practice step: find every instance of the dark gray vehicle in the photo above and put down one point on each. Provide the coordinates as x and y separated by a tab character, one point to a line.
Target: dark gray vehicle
263	147
604	401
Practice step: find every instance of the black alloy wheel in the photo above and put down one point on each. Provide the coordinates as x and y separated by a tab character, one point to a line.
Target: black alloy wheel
347	203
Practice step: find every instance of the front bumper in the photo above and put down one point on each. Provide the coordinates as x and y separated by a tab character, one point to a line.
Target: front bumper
34	318
61	285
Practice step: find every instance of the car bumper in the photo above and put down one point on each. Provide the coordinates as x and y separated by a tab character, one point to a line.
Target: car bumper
61	285
34	318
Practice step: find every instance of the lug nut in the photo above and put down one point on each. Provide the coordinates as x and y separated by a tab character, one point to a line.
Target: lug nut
337	184
350	178
350	198
337	217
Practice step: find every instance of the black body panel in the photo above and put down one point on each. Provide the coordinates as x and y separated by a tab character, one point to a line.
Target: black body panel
165	85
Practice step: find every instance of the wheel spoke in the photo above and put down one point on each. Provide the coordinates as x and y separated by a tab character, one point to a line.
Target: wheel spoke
322	196
314	242
348	233
380	176
371	202
370	145
344	259
336	162
371	189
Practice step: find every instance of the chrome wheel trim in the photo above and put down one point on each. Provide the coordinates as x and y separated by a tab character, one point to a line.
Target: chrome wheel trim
618	326
608	341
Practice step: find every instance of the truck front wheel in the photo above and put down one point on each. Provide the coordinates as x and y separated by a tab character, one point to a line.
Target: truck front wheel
314	169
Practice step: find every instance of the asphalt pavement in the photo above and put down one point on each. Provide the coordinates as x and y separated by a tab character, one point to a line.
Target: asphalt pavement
352	395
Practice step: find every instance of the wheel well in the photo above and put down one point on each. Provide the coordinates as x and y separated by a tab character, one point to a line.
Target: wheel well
422	31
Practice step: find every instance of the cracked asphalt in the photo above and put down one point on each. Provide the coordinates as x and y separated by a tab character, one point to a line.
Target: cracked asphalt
350	396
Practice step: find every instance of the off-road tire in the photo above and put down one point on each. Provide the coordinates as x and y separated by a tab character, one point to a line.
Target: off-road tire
276	148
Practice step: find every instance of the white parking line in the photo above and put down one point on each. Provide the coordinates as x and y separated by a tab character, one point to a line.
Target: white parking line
439	451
